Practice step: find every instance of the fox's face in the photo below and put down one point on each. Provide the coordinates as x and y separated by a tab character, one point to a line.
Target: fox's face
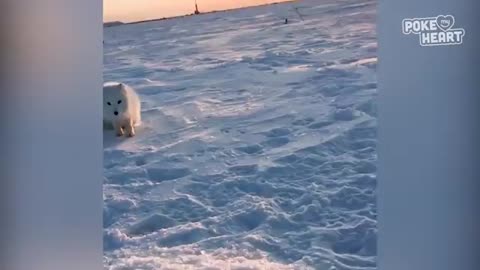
114	100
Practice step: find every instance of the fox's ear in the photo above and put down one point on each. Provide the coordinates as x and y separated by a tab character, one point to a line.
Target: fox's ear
123	88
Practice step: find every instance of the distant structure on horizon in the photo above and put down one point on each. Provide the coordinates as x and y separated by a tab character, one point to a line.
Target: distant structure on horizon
196	8
110	24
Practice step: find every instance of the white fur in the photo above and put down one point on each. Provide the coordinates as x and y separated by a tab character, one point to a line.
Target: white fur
121	98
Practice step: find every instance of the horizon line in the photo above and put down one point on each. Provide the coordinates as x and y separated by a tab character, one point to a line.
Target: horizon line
193	14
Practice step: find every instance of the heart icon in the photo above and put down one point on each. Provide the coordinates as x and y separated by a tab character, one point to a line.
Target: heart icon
445	22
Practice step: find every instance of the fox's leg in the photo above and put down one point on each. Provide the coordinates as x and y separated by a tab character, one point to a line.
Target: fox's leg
118	129
130	129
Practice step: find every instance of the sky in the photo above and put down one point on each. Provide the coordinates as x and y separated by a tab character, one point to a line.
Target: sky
137	10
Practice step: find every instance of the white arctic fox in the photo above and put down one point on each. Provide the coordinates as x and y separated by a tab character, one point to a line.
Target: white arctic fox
121	108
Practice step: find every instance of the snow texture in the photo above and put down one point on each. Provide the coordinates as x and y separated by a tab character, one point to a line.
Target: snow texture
257	149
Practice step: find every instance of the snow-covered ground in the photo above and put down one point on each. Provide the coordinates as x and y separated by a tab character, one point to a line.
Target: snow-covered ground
258	144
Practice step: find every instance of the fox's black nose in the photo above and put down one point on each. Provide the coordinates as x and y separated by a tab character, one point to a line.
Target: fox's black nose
115	112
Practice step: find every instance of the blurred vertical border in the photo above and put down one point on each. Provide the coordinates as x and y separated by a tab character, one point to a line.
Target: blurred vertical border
428	145
52	135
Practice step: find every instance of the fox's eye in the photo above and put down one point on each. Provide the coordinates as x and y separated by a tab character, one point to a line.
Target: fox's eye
109	104
119	102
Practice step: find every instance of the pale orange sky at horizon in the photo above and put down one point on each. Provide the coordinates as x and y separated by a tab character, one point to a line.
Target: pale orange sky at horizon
136	10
